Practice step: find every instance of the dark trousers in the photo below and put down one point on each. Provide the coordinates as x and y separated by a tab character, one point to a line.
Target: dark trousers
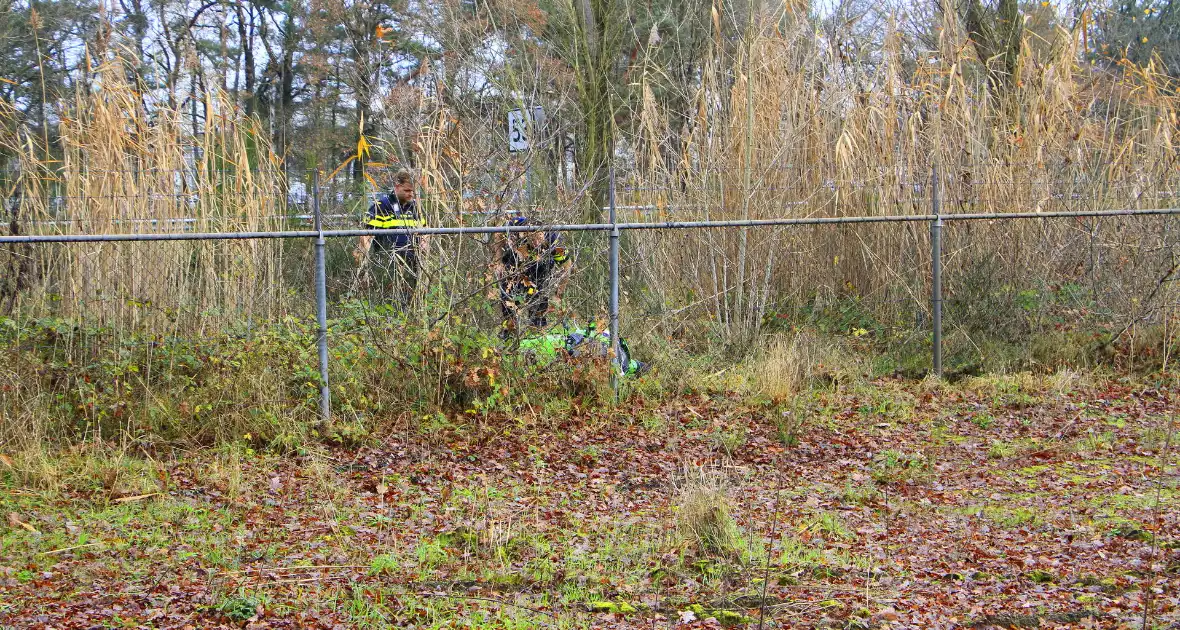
520	307
396	277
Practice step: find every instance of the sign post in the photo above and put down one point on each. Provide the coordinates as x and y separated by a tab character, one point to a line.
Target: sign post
525	127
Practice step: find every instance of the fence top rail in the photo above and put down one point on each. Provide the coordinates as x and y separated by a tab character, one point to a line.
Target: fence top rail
579	227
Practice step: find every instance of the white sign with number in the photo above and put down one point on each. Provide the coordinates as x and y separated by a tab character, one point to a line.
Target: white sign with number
524	126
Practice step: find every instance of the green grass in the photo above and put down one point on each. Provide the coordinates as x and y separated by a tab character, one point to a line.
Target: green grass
820	562
385	564
237	609
1095	442
729	441
892	466
1158	438
983	420
1001	450
831	526
859	494
537	512
1117	503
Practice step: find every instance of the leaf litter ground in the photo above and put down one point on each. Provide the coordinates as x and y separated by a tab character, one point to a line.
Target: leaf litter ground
995	503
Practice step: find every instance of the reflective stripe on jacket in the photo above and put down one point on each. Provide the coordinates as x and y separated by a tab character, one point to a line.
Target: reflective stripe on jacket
389	214
388	221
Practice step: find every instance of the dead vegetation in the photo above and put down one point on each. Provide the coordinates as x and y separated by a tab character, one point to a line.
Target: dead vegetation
803	132
605	525
118	168
703	513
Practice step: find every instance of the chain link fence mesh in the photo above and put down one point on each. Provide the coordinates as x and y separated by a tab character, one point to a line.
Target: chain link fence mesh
118	323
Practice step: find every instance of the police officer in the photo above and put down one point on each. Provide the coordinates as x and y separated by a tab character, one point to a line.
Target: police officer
531	267
394	257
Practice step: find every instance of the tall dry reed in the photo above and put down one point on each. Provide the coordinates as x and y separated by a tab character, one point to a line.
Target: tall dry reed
783	131
120	166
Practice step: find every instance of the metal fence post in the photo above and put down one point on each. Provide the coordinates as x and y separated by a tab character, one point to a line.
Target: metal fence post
936	270
321	299
614	287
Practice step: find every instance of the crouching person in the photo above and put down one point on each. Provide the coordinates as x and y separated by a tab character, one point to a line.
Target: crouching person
567	341
531	270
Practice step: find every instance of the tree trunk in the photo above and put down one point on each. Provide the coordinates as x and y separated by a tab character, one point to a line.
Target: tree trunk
246	42
997	36
596	57
286	98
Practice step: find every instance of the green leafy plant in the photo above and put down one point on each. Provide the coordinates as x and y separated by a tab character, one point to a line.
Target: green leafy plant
728	441
893	466
238	609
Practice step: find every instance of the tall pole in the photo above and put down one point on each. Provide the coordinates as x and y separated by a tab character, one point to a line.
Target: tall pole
614	284
936	270
746	192
321	299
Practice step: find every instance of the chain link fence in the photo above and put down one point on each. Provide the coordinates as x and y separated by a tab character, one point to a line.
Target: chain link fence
207	296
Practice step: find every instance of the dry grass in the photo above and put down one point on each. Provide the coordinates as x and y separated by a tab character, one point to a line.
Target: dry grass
827	136
119	167
703	513
782	127
1065	381
785	128
34	467
789	364
95	469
